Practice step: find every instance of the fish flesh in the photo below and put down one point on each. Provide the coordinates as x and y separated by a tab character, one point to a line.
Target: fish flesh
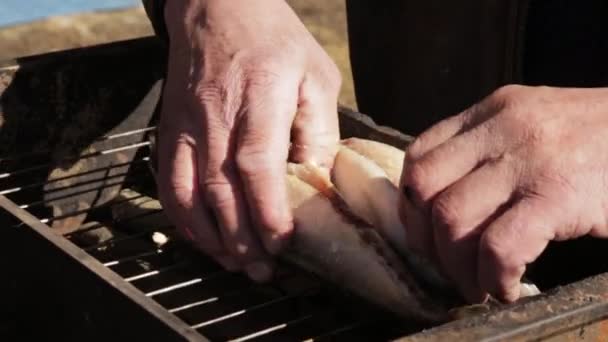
365	183
333	242
348	232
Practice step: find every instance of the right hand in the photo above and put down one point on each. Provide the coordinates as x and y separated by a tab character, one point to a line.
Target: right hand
245	79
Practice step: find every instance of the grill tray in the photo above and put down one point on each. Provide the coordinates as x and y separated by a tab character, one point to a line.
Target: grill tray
75	128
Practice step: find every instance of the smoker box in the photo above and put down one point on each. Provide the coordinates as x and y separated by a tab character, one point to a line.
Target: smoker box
76	128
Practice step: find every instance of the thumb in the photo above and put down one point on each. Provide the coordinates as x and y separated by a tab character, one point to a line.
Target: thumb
315	130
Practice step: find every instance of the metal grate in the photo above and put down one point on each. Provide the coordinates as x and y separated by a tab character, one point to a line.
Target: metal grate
220	305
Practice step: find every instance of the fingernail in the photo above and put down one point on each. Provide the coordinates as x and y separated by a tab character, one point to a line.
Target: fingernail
259	271
228	263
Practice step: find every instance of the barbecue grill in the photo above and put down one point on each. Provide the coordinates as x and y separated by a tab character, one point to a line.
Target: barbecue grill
75	134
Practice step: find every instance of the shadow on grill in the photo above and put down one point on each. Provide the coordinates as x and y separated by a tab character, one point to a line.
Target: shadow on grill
75	135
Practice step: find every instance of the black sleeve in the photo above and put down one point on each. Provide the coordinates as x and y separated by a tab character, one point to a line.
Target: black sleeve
155	10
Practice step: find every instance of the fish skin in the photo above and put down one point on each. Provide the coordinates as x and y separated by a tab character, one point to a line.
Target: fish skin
345	250
358	185
376	198
359	161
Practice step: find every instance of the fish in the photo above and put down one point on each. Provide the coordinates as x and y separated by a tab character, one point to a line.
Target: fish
348	232
359	197
339	246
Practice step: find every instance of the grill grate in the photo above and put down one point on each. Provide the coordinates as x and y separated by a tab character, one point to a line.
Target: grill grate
220	305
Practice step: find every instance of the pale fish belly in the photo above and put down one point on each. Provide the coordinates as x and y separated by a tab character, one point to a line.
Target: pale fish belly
348	231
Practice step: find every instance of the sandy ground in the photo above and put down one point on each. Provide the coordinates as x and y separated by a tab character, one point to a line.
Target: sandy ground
326	19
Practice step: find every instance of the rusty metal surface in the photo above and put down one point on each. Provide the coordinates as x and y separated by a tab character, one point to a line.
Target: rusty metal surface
559	312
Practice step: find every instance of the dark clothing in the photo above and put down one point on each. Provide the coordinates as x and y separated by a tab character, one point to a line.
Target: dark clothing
417	62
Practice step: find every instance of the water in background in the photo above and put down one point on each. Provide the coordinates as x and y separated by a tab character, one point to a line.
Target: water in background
19	11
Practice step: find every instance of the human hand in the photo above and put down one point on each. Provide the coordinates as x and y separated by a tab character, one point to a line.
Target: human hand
245	79
486	190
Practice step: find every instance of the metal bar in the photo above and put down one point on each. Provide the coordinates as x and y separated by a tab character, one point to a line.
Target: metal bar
99	139
210	300
78	212
512	334
127	238
153	273
272	329
248	310
186	283
340	330
81	230
194	305
213	299
85	156
77	193
127	133
131	258
107	283
101	169
564	309
123	148
174	287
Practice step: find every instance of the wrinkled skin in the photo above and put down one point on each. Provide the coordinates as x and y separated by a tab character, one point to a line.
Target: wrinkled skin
486	190
246	81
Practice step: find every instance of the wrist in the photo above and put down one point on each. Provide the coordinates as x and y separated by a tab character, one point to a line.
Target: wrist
181	16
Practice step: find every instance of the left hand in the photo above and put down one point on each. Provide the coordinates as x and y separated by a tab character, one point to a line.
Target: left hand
486	190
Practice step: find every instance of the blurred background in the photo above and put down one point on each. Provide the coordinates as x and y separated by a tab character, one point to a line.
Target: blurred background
29	27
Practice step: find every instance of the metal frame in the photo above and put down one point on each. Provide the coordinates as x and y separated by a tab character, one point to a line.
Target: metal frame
80	287
76	290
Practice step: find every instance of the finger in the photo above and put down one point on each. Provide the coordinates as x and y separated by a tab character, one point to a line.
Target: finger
434	136
459	215
512	241
448	128
223	194
180	196
426	177
262	152
315	129
418	228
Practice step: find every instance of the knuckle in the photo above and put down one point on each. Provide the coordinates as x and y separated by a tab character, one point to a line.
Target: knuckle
506	93
335	76
446	214
417	178
508	100
221	96
210	91
253	161
272	221
495	248
176	195
263	73
330	76
260	80
415	149
218	194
